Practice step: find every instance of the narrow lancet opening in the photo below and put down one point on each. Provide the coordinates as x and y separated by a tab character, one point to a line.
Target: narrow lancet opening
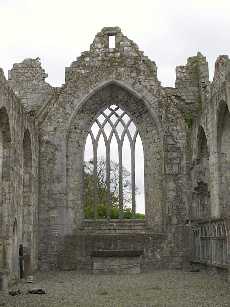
112	41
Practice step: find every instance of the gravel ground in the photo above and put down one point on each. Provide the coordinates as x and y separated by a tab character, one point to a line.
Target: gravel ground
161	288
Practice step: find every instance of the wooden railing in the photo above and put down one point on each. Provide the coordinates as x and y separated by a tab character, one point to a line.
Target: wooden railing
210	242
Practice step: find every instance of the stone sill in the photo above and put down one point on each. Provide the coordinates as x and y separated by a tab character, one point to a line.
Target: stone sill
117	253
117	227
219	266
114	221
209	220
128	234
113	226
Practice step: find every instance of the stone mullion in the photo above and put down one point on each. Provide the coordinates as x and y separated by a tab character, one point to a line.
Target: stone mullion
95	186
200	247
107	145
133	169
120	181
133	179
120	144
109	202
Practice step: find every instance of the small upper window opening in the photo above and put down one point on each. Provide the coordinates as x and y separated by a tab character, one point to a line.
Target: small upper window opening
111	41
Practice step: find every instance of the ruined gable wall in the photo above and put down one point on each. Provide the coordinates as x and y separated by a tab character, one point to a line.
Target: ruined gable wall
126	67
89	72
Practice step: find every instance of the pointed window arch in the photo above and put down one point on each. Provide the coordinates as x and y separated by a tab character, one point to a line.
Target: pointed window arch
223	141
107	182
201	193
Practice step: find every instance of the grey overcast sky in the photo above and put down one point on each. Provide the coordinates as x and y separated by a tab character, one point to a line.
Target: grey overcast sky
59	30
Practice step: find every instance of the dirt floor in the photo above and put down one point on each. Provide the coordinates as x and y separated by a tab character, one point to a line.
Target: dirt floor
162	288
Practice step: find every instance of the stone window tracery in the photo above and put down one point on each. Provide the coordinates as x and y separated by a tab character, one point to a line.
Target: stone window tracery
113	125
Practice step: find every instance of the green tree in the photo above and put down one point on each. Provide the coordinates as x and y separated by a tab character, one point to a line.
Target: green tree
102	191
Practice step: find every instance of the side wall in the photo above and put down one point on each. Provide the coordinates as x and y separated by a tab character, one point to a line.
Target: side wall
12	207
210	168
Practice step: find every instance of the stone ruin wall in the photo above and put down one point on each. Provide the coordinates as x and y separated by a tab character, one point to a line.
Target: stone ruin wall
131	73
174	171
19	182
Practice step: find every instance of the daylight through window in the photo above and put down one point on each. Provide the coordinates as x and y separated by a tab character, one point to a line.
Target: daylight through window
113	167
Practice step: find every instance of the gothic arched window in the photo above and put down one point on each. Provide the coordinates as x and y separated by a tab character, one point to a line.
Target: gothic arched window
113	152
224	155
201	193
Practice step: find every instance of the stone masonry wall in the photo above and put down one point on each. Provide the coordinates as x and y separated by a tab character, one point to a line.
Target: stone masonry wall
214	107
185	133
14	124
100	76
27	79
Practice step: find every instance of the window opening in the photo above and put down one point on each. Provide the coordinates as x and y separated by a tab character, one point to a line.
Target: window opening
112	41
113	164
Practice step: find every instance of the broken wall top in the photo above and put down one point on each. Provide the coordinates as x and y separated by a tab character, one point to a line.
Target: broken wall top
221	74
124	62
5	89
126	54
27	79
